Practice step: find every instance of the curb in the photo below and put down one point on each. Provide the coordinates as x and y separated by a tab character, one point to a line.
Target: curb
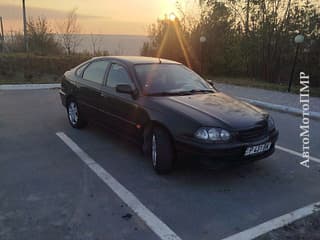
29	86
281	108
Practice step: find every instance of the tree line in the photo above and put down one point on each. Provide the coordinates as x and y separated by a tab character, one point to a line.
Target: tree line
250	38
44	40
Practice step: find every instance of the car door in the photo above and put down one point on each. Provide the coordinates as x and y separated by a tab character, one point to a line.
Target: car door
89	89
122	109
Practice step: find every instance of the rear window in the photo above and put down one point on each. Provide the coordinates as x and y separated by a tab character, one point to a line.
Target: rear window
80	70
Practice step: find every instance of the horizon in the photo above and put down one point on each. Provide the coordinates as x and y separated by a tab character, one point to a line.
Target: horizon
115	44
123	17
7	34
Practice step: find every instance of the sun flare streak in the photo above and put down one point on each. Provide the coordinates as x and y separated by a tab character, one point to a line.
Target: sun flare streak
182	43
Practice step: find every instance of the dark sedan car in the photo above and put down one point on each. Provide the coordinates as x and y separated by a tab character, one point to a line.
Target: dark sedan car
167	108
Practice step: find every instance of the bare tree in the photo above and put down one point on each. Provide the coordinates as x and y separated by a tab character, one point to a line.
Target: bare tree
40	37
68	32
247	16
120	50
95	43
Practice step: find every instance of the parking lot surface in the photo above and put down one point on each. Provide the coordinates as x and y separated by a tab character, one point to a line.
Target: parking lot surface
275	97
47	192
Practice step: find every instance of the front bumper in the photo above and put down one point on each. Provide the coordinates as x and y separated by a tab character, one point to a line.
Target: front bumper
226	153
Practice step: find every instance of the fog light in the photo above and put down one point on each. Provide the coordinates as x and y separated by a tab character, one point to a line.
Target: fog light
271	124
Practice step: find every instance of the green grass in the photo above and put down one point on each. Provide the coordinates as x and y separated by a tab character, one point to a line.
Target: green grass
18	78
247	82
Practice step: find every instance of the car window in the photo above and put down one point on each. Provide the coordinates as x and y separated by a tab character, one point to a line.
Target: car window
118	75
95	71
80	70
157	78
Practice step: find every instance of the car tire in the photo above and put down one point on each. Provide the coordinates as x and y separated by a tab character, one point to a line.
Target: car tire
162	151
75	118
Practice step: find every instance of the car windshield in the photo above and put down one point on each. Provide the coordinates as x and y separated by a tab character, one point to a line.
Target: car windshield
170	79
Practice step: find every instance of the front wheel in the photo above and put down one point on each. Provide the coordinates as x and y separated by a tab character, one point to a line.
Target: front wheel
75	118
162	151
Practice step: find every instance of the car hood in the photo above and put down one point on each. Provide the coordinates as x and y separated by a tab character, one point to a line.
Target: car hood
220	107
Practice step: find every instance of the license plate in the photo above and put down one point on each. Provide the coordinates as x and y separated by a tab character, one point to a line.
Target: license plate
257	149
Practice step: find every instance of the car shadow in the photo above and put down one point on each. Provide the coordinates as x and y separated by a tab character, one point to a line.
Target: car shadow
186	170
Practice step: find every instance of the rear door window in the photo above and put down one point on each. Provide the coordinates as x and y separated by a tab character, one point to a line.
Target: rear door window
96	71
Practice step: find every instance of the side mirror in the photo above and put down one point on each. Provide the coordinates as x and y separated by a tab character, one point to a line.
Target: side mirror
125	88
211	83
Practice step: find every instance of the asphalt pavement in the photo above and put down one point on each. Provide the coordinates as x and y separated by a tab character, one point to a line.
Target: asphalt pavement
269	96
47	192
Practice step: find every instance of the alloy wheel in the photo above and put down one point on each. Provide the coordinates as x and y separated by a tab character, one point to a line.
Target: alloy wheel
154	150
73	113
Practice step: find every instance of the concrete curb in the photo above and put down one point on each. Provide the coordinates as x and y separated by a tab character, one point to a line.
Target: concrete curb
280	108
29	86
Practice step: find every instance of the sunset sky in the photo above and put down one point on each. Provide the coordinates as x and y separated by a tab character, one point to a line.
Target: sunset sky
95	16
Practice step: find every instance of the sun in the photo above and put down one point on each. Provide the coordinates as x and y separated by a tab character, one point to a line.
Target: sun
172	16
167	9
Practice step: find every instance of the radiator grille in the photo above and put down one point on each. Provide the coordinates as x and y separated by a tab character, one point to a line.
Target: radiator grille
254	133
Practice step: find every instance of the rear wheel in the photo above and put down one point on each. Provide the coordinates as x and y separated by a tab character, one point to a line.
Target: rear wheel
162	151
75	118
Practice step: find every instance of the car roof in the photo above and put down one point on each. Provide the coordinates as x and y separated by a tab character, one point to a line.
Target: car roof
133	60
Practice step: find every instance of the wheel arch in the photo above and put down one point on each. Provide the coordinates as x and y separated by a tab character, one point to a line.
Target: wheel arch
148	130
68	98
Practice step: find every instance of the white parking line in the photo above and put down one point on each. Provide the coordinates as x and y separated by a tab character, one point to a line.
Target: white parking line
281	221
296	153
275	223
159	227
151	220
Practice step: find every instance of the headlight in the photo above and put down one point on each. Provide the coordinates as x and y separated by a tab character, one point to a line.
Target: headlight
212	134
202	134
271	124
224	135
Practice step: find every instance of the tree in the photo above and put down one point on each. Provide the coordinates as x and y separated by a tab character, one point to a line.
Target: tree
252	38
40	37
68	32
15	42
95	42
168	40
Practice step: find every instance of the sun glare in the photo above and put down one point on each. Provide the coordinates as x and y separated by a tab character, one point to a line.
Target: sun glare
172	16
167	9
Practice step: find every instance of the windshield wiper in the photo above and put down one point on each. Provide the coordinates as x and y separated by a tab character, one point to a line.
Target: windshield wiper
189	92
193	91
161	94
